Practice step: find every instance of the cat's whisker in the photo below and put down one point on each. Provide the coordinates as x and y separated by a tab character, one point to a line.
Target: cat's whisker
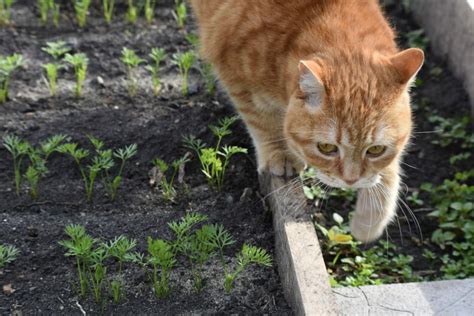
406	164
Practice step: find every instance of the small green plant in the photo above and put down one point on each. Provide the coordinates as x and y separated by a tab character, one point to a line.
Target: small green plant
180	14
19	150
79	61
184	61
98	271
108	8
38	157
7	66
454	211
248	255
215	160
81	7
5	11
57	51
80	246
132	61
8	254
132	12
162	260
157	55
45	6
120	249
209	78
350	265
167	184
101	163
150	6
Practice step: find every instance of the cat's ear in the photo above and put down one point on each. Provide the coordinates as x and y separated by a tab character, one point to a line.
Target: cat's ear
310	83
408	63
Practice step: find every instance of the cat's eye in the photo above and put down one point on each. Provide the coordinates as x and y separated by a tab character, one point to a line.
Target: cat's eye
327	149
376	150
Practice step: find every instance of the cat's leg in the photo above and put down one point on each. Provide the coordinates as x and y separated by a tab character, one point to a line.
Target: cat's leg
376	206
265	125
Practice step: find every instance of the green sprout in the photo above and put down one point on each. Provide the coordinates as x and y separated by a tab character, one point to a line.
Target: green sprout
101	164
184	61
45	6
157	54
150	6
8	254
55	50
132	12
80	245
180	14
167	184
119	248
5	11
209	78
220	238
108	7
98	271
130	58
248	255
215	160
7	66
82	11
197	246
19	150
162	260
38	157
79	61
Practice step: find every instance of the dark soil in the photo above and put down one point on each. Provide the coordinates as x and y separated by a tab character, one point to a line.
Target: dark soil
42	276
424	162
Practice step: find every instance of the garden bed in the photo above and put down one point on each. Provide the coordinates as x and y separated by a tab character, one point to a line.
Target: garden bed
42	278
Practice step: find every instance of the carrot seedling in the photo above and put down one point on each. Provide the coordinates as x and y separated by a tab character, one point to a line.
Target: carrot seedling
45	6
132	61
79	61
81	7
162	261
112	183
108	7
7	66
38	157
150	6
8	254
157	55
184	61
19	150
248	255
57	51
167	184
132	12
215	160
180	14
5	11
80	246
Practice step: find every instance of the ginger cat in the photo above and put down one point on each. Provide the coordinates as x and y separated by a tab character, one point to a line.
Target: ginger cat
320	83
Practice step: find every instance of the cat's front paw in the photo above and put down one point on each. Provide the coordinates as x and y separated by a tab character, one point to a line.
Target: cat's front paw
367	229
280	164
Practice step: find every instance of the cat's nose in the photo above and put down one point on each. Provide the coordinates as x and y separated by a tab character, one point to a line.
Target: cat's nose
350	181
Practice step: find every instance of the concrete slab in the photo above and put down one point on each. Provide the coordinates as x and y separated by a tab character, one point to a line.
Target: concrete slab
450	26
454	297
301	265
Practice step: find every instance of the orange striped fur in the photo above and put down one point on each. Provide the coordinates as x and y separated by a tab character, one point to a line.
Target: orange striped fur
303	73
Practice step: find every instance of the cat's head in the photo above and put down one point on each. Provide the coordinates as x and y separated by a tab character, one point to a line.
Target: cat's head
350	117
